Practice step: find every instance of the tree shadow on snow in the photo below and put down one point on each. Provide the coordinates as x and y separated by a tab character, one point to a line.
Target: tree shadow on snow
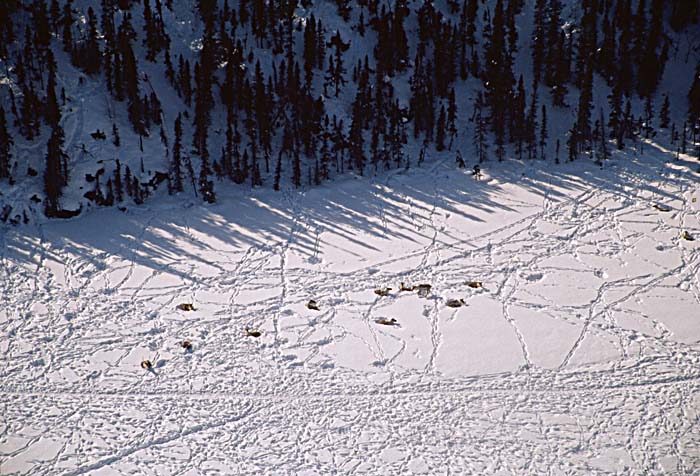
352	214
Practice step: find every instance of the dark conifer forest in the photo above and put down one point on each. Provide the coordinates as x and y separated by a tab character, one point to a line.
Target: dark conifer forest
110	102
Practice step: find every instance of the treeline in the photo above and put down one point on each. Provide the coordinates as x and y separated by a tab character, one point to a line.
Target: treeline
274	99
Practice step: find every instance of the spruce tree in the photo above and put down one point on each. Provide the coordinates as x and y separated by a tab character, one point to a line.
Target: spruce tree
694	98
115	135
356	139
5	147
309	52
175	169
202	108
544	134
606	53
572	142
54	174
480	128
518	119
462	38
603	153
206	186
28	113
452	116
615	119
538	38
664	118
118	187
584	108
53	113
530	132
440	130
91	54
184	80
296	168
648	117
684	138
67	21
278	172
498	76
335	75
54	16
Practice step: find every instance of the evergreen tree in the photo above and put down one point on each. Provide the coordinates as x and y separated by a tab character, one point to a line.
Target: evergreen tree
67	21
41	25
175	168
530	132
91	54
278	172
29	120
309	53
440	130
603	153
296	168
480	128
683	13
185	80
664	118
518	126
572	142
694	98
344	8
335	74
584	108
624	75
462	38
452	116
356	139
554	50
558	71
651	64
543	133
325	151
587	40
5	147
118	187
615	120
684	138
498	76
606	53
206	186
128	182
649	116
52	111
54	16
54	174
115	133
202	108
538	38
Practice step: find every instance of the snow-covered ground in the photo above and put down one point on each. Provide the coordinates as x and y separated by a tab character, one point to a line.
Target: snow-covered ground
580	354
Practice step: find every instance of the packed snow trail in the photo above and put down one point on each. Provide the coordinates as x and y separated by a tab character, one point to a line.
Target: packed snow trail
579	355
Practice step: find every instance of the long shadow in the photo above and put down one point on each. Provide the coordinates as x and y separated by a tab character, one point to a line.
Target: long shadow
172	237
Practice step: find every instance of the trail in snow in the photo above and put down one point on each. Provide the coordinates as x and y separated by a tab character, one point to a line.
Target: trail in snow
580	354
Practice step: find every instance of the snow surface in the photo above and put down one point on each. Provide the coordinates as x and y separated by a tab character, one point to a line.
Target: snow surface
580	354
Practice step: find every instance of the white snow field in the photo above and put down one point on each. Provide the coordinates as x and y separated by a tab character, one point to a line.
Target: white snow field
579	355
